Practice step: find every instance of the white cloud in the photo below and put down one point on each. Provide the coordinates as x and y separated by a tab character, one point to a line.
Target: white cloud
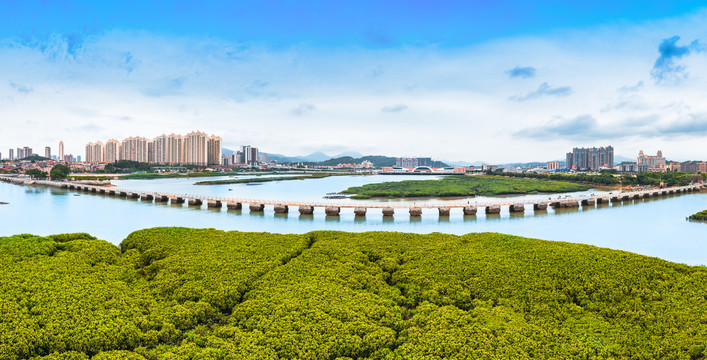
455	101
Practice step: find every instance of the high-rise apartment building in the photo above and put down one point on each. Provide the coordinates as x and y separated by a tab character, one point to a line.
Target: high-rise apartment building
11	154
655	163
28	151
160	149
407	162
48	152
248	155
196	148
61	151
215	149
175	149
591	158
553	165
95	152
111	152
134	148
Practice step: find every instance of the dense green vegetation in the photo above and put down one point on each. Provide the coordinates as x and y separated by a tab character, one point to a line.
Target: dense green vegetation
59	172
461	186
668	178
700	216
176	293
607	178
36	173
34	158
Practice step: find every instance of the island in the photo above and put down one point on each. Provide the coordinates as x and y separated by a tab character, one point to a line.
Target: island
463	186
700	216
337	295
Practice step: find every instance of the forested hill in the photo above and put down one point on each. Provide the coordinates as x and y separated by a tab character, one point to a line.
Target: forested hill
178	293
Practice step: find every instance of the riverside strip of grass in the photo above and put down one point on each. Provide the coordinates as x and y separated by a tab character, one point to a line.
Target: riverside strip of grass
454	186
183	293
700	216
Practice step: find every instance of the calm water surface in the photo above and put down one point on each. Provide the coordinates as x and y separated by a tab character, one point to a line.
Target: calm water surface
654	227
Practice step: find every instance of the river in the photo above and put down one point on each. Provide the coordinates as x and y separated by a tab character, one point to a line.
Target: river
654	227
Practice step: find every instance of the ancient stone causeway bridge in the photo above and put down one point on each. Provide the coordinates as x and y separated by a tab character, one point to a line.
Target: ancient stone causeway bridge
360	207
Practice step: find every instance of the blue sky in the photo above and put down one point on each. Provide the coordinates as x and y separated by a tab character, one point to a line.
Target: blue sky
399	78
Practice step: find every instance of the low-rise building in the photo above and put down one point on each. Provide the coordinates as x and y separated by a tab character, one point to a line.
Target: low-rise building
655	163
553	165
694	167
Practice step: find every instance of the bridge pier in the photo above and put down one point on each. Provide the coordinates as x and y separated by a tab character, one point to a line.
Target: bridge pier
332	210
111	192
360	211
256	207
195	202
134	195
94	190
281	209
443	211
516	208
570	204
588	202
306	210
470	210
493	209
636	197
148	197
214	204
102	191
415	212
123	194
388	211
540	206
162	198
234	206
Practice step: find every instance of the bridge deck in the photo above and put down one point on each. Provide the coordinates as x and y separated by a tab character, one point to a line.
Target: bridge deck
355	204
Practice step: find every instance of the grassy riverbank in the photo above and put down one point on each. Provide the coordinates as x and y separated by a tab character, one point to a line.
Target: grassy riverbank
700	216
455	186
326	295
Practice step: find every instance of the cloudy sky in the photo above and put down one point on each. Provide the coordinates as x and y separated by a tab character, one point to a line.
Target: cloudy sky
470	80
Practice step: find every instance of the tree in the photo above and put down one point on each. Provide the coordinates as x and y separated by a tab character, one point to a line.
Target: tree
108	168
60	172
36	173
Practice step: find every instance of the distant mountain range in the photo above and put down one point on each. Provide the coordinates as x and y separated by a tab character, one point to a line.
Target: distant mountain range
379	160
317	156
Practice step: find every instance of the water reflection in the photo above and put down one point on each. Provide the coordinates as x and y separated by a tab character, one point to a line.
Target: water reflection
668	235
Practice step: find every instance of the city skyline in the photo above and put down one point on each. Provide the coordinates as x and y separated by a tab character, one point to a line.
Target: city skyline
440	79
